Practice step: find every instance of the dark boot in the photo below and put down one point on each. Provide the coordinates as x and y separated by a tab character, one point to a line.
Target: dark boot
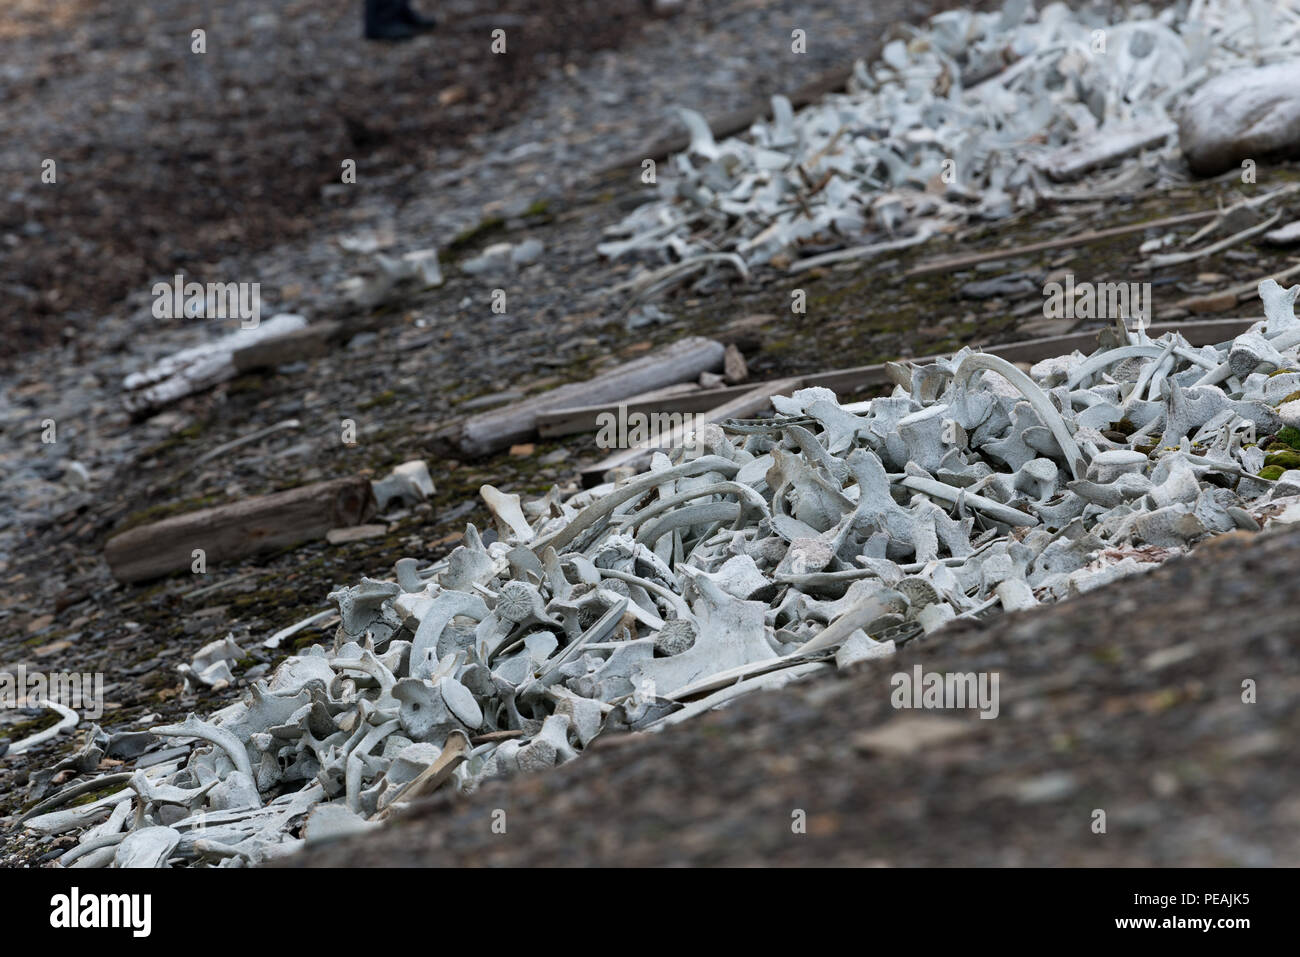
394	20
412	18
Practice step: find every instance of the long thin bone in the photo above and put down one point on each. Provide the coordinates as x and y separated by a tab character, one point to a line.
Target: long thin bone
352	776
1146	375
686	517
769	679
68	721
676	600
1102	360
982	362
1174	259
947	493
192	727
602	509
603	626
744	493
72	791
859	615
822	579
94	844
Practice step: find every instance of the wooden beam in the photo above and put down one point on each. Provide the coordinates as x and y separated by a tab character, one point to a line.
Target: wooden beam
1080	239
308	342
239	529
500	428
737	121
756	398
558	422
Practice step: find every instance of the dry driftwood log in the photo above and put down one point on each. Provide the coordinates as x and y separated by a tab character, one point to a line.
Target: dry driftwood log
752	401
498	429
199	367
239	529
558	422
308	342
1079	239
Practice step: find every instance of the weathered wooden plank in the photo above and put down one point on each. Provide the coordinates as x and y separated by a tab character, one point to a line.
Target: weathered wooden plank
736	121
239	529
500	428
308	342
558	422
754	400
1079	239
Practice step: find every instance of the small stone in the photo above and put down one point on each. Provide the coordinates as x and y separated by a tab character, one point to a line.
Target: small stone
53	648
1053	786
526	253
904	736
734	368
1211	303
1251	113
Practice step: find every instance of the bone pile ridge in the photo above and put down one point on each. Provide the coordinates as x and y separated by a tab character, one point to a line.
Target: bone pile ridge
823	536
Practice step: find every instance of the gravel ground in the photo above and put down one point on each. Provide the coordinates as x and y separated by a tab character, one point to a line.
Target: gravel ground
537	168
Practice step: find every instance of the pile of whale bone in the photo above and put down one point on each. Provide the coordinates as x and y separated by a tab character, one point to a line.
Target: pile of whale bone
971	115
768	550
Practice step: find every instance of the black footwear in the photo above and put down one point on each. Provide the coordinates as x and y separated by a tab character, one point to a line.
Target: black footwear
394	20
412	18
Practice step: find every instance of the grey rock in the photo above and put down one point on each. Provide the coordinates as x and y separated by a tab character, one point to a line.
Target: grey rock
1242	114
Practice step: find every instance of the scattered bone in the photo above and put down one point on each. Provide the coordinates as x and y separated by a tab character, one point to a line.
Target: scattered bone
67	721
959	123
407	484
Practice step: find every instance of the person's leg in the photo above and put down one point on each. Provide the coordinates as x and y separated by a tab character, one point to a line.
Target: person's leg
394	20
415	19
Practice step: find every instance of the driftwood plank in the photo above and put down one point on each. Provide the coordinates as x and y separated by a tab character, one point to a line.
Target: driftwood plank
755	399
240	529
500	428
309	342
1080	239
560	422
737	121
